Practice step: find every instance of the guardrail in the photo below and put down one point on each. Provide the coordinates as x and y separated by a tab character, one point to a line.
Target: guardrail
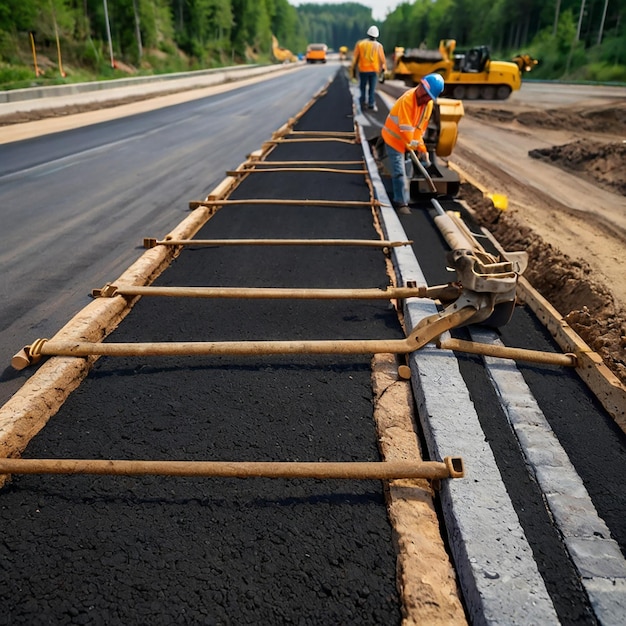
199	77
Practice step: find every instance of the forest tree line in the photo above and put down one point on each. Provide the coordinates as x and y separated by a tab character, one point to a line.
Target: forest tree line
576	38
584	39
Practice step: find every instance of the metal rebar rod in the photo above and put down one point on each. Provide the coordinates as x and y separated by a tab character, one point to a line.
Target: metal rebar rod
323	133
236	348
328	170
306	202
313	139
451	467
515	354
374	243
312	162
427	329
272	201
272	293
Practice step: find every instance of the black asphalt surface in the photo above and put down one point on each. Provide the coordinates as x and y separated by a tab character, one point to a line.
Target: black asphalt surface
106	550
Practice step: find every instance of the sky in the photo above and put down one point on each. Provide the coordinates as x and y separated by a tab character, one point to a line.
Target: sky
380	8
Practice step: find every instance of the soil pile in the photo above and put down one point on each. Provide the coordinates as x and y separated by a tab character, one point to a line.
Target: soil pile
599	159
609	120
601	163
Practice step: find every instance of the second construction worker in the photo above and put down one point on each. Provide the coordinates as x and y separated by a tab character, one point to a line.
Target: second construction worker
369	60
404	130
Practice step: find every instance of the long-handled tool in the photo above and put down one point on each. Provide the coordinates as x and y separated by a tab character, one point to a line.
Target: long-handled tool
422	169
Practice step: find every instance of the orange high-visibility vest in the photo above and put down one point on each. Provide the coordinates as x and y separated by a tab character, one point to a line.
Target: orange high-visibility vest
407	121
369	56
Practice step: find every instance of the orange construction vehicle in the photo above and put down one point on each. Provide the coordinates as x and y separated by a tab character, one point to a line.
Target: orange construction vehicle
316	53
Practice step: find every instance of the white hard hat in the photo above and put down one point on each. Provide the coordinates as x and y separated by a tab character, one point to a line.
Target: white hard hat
372	31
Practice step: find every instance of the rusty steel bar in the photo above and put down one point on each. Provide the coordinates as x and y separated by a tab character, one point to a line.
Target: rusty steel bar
312	139
263	201
328	170
237	348
271	293
312	162
451	467
374	243
425	331
323	133
515	354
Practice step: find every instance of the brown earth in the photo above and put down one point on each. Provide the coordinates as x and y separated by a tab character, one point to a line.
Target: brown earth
21	117
578	268
597	162
580	274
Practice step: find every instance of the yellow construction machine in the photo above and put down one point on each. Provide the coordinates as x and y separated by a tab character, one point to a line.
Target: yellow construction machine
472	75
282	54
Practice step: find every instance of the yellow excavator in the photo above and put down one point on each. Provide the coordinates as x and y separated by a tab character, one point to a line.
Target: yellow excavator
472	75
282	54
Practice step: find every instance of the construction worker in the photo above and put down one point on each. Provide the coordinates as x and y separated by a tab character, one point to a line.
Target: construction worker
404	129
369	59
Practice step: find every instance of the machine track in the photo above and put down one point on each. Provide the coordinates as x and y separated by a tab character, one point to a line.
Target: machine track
534	531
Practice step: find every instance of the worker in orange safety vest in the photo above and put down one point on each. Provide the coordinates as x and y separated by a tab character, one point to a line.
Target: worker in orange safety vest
404	129
369	59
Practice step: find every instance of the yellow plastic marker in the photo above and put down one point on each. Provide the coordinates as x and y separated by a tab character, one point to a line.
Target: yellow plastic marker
500	201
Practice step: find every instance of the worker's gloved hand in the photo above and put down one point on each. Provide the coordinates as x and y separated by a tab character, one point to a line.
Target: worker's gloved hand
414	144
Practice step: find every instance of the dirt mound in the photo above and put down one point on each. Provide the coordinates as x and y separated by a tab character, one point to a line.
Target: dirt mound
569	285
610	120
601	163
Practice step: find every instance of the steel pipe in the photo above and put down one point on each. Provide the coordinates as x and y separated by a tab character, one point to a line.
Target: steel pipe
328	170
309	163
451	467
221	348
515	354
271	201
425	331
373	243
271	293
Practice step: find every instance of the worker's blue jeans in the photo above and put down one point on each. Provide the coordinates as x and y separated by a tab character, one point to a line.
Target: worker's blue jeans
368	82
399	182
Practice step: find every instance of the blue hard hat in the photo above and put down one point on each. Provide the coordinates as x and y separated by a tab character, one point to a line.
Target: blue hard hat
433	84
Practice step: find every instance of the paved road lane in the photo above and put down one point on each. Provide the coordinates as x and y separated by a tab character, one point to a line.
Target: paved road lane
75	206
